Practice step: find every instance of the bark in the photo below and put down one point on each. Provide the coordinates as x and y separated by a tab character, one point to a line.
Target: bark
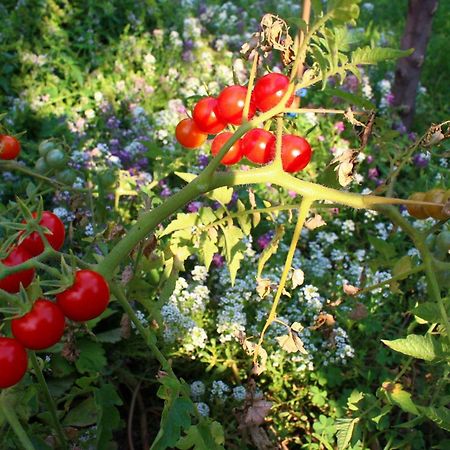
407	75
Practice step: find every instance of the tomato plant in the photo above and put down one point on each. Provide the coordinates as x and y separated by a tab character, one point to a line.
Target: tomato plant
233	155
86	299
295	152
33	243
230	105
56	158
13	362
9	147
41	327
12	282
189	135
205	116
269	90
258	146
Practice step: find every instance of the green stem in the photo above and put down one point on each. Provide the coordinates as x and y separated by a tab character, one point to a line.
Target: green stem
10	415
303	212
419	242
49	400
400	276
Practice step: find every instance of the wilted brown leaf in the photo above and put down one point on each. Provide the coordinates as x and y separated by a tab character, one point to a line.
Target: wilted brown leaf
298	278
359	312
257	412
351	290
315	222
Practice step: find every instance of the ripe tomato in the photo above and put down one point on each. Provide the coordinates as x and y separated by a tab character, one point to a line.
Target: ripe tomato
9	147
269	90
233	155
86	299
258	146
230	105
40	328
295	152
12	282
33	243
13	362
417	211
189	135
205	117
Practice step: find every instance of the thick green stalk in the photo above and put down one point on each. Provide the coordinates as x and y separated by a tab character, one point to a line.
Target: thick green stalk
10	414
49	400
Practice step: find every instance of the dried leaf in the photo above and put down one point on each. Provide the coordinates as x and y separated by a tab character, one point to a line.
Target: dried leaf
346	162
315	222
351	290
257	413
291	342
263	287
359	312
298	278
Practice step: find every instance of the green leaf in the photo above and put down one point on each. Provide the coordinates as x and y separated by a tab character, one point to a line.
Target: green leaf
176	417
430	312
244	220
386	249
399	397
110	336
354	399
344	11
270	249
234	248
440	415
222	195
107	399
204	436
182	221
188	177
92	356
421	347
345	429
82	415
402	266
208	246
352	98
368	55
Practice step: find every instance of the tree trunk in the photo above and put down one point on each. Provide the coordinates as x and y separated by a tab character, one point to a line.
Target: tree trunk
407	75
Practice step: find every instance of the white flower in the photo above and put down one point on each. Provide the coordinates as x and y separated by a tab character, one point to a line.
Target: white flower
203	409
197	389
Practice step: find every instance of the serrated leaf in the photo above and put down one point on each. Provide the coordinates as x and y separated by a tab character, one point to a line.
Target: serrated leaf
344	433
182	221
402	266
353	99
110	336
204	436
207	215
270	249
344	11
368	55
222	195
244	219
175	418
82	415
209	249
354	399
421	347
188	177
234	248
92	356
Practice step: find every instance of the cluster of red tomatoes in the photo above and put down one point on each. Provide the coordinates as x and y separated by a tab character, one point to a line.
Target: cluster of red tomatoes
212	115
9	147
43	326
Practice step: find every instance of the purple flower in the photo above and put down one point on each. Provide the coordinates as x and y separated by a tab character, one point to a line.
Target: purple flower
166	192
339	126
194	206
390	98
420	160
218	260
370	159
373	173
202	161
113	123
264	240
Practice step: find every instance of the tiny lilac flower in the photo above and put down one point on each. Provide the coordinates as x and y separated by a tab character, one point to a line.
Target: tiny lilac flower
339	126
193	207
218	260
370	159
373	173
420	160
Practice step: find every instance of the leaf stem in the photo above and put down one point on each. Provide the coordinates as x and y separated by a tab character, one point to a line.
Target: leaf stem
49	400
10	414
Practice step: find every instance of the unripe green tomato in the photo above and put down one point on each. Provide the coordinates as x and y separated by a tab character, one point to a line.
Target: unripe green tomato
41	166
430	241
56	158
154	277
67	176
45	147
107	178
442	246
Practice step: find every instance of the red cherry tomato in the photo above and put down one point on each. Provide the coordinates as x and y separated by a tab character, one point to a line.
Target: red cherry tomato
258	145
9	147
205	117
269	90
33	243
233	155
230	105
189	135
295	152
12	282
13	362
86	299
40	328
